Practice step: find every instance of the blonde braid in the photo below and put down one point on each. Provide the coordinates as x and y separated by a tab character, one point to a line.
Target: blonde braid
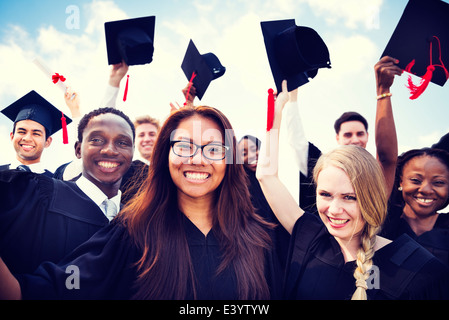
364	263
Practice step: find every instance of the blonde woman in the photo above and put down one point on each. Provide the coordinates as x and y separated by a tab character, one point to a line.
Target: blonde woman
339	255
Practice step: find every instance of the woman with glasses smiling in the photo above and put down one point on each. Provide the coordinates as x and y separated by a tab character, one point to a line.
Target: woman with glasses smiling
190	233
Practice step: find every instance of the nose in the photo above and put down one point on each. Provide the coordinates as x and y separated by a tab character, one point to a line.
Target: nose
198	158
335	207
426	187
109	149
355	141
27	137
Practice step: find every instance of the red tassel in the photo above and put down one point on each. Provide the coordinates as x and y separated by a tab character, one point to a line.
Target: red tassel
270	111
125	95
65	136
190	86
417	90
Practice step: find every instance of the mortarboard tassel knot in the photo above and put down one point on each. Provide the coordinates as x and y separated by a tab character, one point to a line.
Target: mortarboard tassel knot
417	90
270	111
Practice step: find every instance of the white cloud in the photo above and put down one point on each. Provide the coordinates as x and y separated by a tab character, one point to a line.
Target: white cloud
352	13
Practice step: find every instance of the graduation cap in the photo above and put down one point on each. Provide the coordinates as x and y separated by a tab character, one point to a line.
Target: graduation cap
34	107
295	53
130	40
201	69
421	43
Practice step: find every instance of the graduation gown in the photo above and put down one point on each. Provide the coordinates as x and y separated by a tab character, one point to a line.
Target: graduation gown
307	189
435	240
317	270
280	236
107	269
43	219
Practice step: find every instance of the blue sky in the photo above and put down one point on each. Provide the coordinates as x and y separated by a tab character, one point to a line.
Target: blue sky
355	31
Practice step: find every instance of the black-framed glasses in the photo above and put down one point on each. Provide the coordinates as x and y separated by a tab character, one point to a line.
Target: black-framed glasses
186	149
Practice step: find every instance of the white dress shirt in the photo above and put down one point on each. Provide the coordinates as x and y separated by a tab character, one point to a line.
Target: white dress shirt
97	196
35	167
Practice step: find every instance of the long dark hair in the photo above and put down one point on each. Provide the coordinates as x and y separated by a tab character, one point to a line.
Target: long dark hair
165	270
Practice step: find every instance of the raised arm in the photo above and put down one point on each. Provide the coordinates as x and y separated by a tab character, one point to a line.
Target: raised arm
385	130
9	286
279	198
295	132
118	71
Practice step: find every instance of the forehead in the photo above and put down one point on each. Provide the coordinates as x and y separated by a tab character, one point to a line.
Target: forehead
108	123
29	125
146	127
335	180
352	126
198	128
426	164
248	143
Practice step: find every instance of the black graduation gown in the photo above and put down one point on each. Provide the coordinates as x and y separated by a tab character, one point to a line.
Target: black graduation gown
43	219
107	270
317	270
307	190
435	240
280	236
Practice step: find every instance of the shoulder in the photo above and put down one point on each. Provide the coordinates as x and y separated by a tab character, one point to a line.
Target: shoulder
307	231
409	271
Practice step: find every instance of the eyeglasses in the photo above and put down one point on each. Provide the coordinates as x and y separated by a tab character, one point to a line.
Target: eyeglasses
186	149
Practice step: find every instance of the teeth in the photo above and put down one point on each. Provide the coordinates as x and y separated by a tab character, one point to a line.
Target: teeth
424	200
338	221
196	175
108	165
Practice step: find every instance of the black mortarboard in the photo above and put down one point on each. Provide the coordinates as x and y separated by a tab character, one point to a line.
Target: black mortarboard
206	66
130	40
34	107
295	53
422	36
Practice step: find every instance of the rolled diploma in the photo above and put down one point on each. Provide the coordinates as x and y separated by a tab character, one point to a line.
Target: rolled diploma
46	70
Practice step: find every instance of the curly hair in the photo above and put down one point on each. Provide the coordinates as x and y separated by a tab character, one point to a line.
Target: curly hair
87	117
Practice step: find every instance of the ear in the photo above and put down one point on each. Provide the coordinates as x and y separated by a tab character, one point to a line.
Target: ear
48	142
337	137
78	149
11	135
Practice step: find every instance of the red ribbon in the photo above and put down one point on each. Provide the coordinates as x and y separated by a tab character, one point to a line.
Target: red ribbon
57	77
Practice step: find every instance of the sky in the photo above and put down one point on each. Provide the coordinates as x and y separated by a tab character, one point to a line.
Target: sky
69	37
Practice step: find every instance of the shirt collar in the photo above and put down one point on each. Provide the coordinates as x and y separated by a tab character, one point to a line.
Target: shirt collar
95	194
35	167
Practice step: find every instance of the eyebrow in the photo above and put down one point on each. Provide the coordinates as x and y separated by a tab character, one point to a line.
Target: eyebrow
340	193
100	132
190	140
33	130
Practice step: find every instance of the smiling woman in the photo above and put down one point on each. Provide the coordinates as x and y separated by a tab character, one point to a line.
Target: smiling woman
340	255
421	191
